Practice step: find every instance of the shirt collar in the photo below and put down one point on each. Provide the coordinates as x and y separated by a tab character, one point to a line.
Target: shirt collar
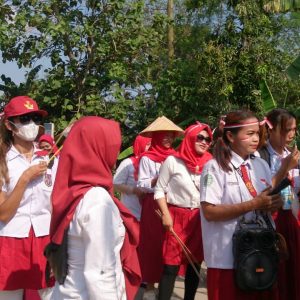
13	152
273	152
237	161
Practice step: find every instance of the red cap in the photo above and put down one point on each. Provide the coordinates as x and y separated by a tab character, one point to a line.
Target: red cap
22	105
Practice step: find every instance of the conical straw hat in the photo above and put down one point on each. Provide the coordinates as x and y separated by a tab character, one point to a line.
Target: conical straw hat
161	124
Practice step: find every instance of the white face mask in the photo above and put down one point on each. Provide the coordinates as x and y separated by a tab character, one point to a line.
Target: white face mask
27	132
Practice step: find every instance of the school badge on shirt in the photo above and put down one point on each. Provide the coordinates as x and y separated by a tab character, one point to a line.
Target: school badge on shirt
48	179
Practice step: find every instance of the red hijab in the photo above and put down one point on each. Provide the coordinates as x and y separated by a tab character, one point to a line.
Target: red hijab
193	161
139	147
90	152
157	152
49	139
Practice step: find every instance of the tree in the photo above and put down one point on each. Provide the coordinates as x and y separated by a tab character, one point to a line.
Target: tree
100	54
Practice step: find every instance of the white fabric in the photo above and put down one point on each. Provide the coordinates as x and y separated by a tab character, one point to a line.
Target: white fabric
148	169
125	175
11	295
35	207
275	160
218	187
96	236
181	186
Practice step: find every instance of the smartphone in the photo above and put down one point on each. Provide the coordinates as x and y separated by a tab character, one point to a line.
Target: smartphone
282	185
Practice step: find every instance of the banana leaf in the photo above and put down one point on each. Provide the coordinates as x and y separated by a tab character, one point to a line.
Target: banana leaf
125	153
293	70
267	98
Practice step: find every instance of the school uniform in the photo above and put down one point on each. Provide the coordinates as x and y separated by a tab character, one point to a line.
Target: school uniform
181	189
23	238
125	175
88	237
219	187
287	225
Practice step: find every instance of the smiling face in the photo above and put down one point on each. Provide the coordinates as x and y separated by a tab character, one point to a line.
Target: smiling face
168	139
203	142
246	140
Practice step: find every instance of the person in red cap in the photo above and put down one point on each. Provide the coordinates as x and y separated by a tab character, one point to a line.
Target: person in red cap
102	233
178	197
25	209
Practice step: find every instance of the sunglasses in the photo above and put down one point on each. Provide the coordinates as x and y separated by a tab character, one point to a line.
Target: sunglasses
201	138
25	119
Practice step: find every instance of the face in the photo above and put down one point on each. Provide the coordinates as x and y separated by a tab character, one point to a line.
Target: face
283	138
45	146
168	139
147	146
246	140
25	119
203	142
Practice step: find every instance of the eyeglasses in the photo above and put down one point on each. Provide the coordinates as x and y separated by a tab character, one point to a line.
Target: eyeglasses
201	138
25	119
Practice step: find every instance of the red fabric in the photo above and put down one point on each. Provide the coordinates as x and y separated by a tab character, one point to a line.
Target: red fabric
289	270
193	161
49	139
221	286
31	295
187	225
22	105
89	154
22	262
151	241
157	152
139	147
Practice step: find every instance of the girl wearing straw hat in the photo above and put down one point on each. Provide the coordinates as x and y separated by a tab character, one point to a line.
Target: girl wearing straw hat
163	132
177	194
25	209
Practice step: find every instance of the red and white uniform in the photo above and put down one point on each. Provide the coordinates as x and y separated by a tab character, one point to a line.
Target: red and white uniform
23	238
219	187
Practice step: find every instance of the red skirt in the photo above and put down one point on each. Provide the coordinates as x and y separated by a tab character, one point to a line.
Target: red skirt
289	269
187	225
151	241
221	286
22	262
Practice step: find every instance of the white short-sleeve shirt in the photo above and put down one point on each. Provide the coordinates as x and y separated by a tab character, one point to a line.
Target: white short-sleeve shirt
35	206
180	185
148	169
219	187
125	175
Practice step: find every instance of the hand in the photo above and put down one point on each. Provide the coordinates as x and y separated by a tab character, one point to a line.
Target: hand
167	221
139	192
35	171
292	160
268	203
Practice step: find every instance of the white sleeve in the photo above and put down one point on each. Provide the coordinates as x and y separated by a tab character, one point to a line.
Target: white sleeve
165	171
100	234
145	177
122	172
211	184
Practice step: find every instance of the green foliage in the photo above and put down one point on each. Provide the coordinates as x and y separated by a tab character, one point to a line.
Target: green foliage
109	58
293	70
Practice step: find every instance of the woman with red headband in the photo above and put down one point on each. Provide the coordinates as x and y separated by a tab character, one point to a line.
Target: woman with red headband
102	234
126	176
235	187
163	131
25	209
177	194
